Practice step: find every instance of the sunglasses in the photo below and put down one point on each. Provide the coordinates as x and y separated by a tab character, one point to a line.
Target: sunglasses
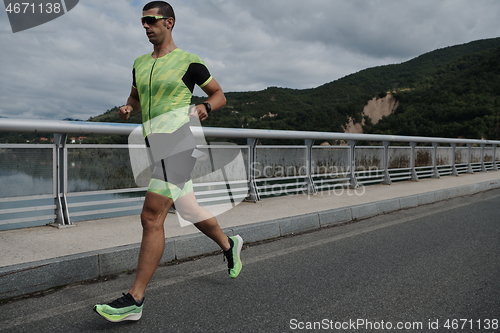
151	19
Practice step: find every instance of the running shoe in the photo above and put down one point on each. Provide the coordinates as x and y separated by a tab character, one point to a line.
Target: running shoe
233	256
124	308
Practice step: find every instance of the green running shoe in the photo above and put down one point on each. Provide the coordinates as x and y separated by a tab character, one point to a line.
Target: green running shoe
124	308
233	256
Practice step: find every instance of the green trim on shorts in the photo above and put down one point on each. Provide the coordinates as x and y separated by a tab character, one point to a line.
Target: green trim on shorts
169	190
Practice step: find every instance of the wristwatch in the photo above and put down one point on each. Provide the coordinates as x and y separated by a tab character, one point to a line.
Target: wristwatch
207	106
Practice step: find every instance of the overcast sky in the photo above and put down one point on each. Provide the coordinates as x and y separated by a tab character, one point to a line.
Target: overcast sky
79	65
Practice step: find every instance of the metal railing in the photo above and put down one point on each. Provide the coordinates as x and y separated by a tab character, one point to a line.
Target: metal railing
270	170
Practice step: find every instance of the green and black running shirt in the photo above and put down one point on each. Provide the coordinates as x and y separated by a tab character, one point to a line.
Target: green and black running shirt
165	86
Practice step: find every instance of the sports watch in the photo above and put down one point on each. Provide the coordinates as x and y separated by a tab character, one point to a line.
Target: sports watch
207	106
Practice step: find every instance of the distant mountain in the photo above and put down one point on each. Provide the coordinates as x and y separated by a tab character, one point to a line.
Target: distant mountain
72	119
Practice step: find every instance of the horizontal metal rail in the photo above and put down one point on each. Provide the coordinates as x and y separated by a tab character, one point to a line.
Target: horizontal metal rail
305	175
79	127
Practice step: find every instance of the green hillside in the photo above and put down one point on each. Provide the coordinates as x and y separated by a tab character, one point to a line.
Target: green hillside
459	100
328	107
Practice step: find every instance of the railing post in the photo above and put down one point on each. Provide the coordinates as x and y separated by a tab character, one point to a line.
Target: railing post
454	171
311	189
483	152
495	167
434	160
469	156
61	181
353	183
253	193
387	176
414	175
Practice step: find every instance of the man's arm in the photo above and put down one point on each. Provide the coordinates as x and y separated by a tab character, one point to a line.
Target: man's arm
216	99
133	105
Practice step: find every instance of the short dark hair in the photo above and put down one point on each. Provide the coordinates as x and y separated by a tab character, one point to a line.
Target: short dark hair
164	8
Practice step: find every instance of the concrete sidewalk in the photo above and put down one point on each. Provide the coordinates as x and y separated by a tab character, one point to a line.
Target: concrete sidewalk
37	259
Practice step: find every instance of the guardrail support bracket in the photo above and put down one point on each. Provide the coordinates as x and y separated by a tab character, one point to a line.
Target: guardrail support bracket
414	175
353	182
61	186
311	189
253	192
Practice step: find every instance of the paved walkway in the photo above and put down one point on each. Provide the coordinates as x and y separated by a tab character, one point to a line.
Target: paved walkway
26	249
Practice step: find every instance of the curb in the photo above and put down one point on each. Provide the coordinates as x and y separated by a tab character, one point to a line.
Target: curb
22	279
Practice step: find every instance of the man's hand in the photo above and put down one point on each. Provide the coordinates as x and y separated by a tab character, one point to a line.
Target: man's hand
200	112
125	112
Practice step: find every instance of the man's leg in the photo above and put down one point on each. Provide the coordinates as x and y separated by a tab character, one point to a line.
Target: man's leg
211	228
153	216
129	307
188	207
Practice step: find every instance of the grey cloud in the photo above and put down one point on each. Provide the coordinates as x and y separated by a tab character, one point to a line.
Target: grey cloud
379	28
75	66
79	65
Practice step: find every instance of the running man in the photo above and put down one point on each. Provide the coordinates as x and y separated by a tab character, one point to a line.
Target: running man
162	88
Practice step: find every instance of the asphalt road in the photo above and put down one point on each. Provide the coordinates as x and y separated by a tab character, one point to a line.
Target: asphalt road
410	271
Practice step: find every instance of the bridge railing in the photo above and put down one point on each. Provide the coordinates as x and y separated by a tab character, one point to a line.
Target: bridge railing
62	182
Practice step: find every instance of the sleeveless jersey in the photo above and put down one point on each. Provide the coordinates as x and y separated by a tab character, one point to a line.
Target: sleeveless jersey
165	86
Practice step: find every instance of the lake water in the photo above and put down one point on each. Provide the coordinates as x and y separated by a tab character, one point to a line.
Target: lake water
29	172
